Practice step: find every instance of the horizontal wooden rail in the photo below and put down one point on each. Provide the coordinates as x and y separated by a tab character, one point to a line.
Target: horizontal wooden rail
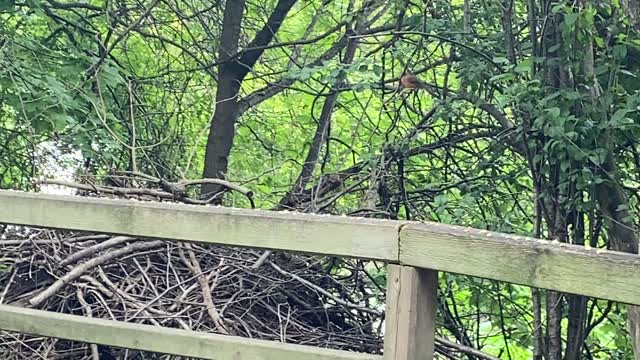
412	301
479	253
159	339
334	235
522	260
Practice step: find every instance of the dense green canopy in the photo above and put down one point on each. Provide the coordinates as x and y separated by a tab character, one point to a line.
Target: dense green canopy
526	123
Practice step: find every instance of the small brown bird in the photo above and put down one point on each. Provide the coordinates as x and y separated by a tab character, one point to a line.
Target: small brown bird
410	81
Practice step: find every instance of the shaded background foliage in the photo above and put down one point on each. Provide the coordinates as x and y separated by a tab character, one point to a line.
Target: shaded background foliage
527	124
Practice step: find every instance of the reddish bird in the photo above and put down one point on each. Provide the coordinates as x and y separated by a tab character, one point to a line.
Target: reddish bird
410	81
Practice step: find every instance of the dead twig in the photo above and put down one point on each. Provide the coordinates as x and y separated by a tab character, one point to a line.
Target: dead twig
465	349
86	252
87	309
84	267
324	292
193	264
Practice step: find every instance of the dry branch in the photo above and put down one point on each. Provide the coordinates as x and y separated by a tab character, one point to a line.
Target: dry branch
84	267
86	252
193	265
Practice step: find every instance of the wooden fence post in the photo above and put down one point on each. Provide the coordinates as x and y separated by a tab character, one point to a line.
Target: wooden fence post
410	313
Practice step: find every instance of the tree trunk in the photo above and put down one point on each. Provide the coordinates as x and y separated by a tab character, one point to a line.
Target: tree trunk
611	197
577	304
632	8
222	128
507	27
555	300
231	73
554	325
538	341
622	236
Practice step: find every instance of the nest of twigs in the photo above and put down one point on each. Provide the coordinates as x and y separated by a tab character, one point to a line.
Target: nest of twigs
289	298
318	301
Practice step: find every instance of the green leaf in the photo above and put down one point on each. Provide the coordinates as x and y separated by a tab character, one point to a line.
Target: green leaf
628	73
554	48
570	19
500	60
60	121
553	112
503	76
620	52
524	66
599	156
618	118
599	41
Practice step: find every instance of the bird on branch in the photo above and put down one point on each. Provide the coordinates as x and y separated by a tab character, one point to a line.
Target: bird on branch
410	81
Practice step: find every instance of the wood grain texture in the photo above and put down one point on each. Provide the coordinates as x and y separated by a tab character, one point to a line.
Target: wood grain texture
521	260
479	253
322	234
410	319
163	340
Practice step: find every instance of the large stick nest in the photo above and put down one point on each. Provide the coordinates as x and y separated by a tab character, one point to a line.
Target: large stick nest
319	301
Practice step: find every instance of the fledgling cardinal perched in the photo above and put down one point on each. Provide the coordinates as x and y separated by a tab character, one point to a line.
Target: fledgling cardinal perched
410	81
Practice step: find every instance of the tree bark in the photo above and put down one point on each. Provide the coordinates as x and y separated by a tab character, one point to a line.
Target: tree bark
632	9
611	198
577	305
507	27
577	323
555	300
231	73
622	236
222	128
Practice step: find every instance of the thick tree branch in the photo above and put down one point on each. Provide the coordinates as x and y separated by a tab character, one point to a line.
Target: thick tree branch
264	37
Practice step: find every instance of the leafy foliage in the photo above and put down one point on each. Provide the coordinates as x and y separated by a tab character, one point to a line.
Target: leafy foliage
528	123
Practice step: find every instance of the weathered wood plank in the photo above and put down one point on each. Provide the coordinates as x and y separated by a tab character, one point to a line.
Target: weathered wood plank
331	235
410	320
441	247
158	339
521	260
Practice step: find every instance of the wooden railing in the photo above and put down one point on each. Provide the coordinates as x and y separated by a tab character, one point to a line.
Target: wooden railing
414	252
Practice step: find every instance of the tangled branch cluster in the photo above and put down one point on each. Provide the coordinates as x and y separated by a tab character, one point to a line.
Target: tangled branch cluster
289	298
